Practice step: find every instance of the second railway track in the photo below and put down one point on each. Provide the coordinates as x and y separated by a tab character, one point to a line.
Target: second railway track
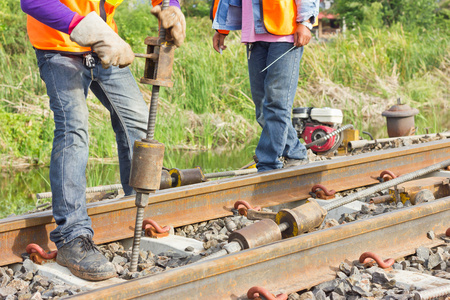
292	264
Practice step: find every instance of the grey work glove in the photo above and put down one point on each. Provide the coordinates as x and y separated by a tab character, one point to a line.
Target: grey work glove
93	32
172	19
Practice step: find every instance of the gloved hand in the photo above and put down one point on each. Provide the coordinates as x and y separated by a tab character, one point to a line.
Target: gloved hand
172	19
93	32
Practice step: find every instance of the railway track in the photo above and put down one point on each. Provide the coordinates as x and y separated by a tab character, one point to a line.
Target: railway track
215	199
315	254
292	264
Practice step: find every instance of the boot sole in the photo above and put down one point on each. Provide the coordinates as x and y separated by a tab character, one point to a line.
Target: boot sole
89	276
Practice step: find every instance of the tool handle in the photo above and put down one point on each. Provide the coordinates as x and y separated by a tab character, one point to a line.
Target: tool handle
155	90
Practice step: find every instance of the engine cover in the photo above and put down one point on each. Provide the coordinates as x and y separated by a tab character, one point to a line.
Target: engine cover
315	132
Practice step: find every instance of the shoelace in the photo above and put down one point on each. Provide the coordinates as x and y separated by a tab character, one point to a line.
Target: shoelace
88	244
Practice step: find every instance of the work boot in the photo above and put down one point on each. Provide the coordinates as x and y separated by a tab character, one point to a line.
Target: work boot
82	257
291	162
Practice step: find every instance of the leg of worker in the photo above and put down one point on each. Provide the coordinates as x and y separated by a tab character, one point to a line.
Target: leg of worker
117	89
67	89
294	148
67	82
257	57
279	90
280	94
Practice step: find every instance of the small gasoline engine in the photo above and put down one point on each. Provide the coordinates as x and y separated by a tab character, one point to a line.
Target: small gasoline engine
314	124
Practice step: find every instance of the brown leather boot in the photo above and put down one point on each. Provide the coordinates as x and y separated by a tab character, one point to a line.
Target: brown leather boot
82	257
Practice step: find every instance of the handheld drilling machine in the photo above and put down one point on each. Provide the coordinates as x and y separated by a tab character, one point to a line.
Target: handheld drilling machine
148	154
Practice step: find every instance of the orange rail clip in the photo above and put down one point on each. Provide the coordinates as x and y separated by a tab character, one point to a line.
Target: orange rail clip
385	175
152	229
367	257
256	291
322	192
242	206
38	255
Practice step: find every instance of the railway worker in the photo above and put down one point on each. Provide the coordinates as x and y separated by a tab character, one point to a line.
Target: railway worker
270	29
77	48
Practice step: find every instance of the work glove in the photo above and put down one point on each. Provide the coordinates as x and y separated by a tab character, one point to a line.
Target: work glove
93	32
172	19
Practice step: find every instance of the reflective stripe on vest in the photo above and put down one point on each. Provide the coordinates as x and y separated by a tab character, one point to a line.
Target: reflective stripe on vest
46	38
279	16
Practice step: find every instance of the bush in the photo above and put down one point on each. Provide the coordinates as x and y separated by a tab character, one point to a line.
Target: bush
417	13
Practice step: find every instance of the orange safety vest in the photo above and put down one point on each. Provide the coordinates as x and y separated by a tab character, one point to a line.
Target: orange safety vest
46	38
279	16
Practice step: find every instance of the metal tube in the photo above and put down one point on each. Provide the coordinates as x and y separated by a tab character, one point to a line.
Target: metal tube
150	135
231	173
433	293
151	56
141	203
283	226
362	143
331	134
152	114
223	252
381	199
114	187
137	239
382	186
95	189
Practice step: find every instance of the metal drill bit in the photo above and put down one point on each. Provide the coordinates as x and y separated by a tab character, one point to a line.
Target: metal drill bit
278	58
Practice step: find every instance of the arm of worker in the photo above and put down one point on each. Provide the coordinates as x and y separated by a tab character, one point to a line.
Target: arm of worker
307	11
172	19
52	13
219	35
219	42
89	31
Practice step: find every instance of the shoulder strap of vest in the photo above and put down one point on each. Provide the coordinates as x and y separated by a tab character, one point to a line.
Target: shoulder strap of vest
102	10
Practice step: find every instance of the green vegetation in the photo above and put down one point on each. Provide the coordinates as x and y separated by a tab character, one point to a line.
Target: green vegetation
393	49
377	13
362	72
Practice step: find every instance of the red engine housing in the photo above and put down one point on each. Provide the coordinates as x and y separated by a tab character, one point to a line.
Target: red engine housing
315	132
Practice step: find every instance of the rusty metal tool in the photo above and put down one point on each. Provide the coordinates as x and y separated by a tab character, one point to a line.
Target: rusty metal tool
385	185
306	217
148	154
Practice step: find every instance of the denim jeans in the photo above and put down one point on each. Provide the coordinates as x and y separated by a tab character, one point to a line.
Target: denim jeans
67	81
273	92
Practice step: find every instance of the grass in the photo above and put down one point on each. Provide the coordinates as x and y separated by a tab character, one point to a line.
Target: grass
362	72
209	108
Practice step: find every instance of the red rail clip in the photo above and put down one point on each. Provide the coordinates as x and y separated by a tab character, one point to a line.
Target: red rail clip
367	257
38	255
256	291
152	229
385	175
322	192
242	206
447	233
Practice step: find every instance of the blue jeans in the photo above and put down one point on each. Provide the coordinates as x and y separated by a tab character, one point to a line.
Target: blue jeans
273	92
67	81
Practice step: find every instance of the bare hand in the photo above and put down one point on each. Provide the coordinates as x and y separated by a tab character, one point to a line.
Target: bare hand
219	42
302	35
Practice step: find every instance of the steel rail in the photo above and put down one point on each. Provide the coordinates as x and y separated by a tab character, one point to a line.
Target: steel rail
293	264
114	219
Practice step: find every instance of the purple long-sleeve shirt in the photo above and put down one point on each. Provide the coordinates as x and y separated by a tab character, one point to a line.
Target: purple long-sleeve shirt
55	14
50	12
